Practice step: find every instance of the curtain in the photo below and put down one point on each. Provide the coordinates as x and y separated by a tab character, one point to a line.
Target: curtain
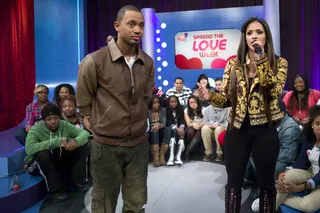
300	34
101	14
17	61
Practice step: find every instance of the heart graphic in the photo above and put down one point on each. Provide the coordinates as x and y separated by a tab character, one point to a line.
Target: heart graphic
183	63
220	63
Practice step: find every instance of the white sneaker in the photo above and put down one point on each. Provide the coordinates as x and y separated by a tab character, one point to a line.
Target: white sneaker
255	205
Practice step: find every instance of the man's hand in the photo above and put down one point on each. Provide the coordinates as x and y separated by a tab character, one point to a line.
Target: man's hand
72	146
215	125
291	187
63	143
203	92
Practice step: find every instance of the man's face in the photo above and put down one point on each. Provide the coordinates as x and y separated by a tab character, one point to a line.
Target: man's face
130	28
178	84
42	95
52	122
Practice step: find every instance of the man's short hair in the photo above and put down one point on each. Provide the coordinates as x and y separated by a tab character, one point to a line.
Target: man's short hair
178	78
124	9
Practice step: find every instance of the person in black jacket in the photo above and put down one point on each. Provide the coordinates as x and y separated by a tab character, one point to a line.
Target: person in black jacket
176	123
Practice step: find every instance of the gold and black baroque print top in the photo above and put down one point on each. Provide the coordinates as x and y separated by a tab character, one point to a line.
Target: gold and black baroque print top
249	98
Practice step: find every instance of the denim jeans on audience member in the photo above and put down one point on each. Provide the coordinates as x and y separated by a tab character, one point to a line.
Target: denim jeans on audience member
161	134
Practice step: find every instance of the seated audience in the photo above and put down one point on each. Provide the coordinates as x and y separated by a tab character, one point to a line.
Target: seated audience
54	149
203	80
176	124
69	111
181	91
33	112
193	115
218	84
61	91
301	99
161	95
303	175
289	136
157	118
215	122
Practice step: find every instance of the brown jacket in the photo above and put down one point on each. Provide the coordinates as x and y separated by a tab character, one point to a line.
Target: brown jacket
250	100
114	97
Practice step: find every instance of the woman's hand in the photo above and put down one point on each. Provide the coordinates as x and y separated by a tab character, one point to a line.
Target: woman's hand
203	92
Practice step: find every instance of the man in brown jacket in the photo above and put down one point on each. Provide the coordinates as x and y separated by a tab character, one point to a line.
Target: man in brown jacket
113	85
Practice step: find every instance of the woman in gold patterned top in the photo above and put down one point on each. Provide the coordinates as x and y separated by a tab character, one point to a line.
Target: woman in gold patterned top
252	84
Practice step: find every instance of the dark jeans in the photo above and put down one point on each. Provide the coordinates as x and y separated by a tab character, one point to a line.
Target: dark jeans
58	171
114	167
163	134
263	143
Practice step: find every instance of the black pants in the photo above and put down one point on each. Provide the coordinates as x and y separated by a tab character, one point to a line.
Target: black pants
263	142
58	171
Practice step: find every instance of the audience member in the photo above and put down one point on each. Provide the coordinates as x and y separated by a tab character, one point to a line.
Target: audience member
301	99
157	119
181	91
61	91
176	131
55	147
218	84
33	112
215	122
193	115
303	175
204	81
69	111
163	99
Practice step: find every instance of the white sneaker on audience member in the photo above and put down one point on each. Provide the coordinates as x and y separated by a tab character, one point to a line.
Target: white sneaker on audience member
255	205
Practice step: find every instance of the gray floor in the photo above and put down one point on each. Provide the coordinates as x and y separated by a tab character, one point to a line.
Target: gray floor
192	188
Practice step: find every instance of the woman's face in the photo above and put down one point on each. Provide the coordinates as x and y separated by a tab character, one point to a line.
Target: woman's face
64	92
204	82
68	108
173	103
255	32
218	85
316	126
193	103
299	84
156	104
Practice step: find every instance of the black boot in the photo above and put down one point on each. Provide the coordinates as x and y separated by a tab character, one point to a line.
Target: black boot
193	143
232	200
267	201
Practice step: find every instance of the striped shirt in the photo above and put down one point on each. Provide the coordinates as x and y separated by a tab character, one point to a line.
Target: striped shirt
33	113
182	96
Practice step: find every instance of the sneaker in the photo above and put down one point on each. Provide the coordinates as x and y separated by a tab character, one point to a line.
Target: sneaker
82	187
255	205
219	157
59	196
207	157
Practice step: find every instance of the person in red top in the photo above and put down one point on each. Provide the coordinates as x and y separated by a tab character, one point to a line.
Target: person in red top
301	99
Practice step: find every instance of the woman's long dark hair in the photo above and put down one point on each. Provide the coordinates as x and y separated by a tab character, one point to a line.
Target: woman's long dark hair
198	110
56	97
203	76
152	100
243	49
307	130
179	108
294	99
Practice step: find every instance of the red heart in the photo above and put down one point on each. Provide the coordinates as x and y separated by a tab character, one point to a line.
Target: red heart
220	63
183	63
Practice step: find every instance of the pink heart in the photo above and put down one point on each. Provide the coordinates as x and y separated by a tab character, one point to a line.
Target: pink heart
183	63
220	63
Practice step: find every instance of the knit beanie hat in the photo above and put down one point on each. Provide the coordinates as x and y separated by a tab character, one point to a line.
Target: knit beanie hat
50	109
